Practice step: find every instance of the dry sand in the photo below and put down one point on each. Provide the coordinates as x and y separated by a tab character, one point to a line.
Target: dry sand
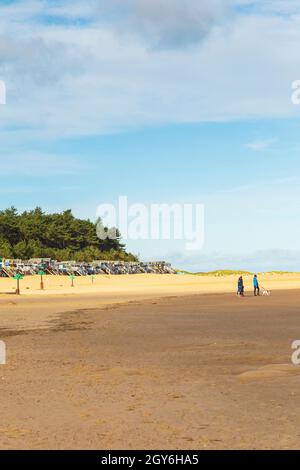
145	284
145	363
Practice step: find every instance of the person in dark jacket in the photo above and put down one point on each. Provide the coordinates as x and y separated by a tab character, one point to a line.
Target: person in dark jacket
240	290
256	285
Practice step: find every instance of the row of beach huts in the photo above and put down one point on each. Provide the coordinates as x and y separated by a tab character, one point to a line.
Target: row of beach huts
9	267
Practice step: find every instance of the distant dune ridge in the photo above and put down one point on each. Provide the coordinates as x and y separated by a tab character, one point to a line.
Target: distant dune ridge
230	272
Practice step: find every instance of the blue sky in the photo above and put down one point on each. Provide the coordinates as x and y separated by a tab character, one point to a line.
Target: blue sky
164	102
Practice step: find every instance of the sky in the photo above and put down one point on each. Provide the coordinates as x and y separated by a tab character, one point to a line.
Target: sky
164	101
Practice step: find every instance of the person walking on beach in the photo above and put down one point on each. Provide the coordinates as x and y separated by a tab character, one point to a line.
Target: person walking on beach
256	285
240	291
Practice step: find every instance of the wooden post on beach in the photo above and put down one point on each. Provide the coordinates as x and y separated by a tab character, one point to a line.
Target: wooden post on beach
41	273
18	277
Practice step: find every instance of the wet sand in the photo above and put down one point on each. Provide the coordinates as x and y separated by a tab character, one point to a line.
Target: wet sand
197	372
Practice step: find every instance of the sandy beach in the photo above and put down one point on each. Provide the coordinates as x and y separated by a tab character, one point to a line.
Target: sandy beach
146	284
150	362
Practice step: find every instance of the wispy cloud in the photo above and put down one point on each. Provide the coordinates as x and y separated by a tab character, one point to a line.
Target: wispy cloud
260	145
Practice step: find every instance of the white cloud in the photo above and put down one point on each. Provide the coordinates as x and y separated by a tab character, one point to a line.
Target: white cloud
75	79
260	145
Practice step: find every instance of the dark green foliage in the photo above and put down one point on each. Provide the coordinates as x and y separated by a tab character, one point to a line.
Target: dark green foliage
60	236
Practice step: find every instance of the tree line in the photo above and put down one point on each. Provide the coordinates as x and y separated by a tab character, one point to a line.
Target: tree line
60	236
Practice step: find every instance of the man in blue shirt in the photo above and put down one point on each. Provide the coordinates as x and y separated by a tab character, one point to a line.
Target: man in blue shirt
256	285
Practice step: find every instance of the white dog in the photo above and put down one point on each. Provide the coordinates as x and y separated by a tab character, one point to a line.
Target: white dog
266	292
